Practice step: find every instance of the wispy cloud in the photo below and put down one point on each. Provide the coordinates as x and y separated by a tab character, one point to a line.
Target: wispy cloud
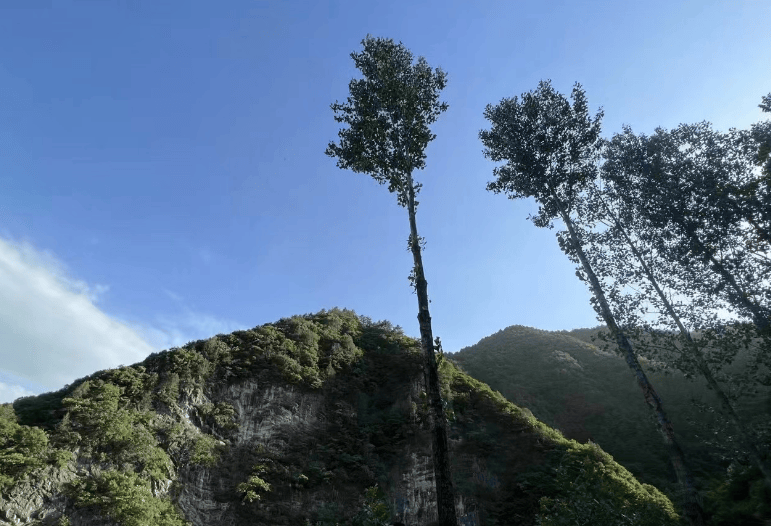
176	330
172	295
52	331
193	325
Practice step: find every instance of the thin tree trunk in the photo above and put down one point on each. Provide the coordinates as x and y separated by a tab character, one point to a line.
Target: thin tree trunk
691	505
692	349
445	494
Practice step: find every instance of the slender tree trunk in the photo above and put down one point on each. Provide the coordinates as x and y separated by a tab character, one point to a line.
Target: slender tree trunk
692	349
691	505
445	494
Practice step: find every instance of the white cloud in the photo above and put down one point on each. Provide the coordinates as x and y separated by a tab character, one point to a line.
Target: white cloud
9	393
13	387
52	332
173	296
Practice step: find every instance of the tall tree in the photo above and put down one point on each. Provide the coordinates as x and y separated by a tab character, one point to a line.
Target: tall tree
388	113
694	199
765	103
715	172
551	150
674	181
617	257
684	189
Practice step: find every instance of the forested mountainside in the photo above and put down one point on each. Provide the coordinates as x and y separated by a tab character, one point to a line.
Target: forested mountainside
571	384
316	419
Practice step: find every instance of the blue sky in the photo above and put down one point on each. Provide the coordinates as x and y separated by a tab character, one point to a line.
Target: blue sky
163	177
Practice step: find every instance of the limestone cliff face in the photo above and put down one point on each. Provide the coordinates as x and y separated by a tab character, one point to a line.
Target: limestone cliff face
291	422
254	441
38	500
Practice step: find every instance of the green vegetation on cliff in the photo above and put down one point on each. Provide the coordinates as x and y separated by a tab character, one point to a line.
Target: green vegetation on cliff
135	440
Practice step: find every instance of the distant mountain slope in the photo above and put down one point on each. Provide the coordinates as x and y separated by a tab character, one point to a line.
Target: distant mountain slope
569	384
317	419
585	335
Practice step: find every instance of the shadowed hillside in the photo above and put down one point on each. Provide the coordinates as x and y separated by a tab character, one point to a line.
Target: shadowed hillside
569	383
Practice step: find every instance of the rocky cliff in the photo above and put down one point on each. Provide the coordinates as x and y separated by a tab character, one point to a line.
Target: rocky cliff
317	419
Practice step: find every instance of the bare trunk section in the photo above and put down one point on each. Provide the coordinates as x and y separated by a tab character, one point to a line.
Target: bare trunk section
691	505
445	494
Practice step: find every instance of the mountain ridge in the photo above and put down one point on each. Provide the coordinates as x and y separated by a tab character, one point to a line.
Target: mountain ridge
315	419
